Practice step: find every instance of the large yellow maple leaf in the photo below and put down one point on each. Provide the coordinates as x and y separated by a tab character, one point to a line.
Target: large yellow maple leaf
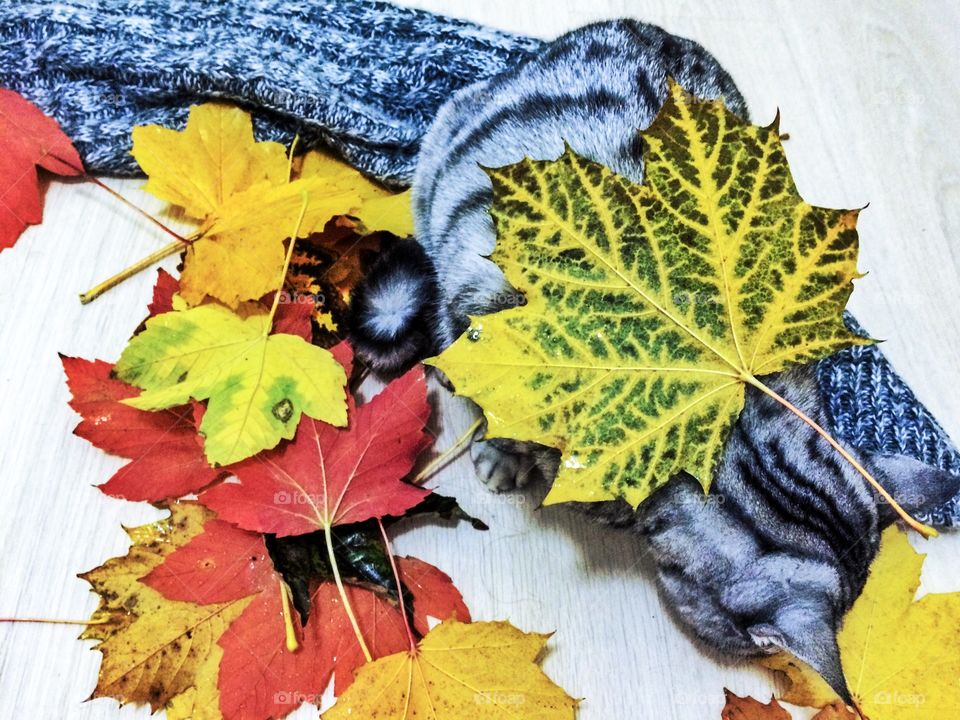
246	199
650	307
901	656
480	671
153	648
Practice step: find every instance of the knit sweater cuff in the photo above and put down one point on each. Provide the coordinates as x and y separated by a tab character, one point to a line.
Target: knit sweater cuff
365	77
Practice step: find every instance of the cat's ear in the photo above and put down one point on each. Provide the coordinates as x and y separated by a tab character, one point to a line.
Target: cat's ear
914	485
803	632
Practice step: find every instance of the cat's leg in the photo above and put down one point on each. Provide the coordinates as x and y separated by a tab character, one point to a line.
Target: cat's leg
698	549
504	465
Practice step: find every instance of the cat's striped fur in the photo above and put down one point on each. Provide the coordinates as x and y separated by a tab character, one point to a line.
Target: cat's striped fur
781	547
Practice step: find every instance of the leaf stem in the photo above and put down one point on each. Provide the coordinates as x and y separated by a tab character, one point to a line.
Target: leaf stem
286	265
925	530
347	608
293	147
135	208
447	455
51	621
396	575
289	631
95	292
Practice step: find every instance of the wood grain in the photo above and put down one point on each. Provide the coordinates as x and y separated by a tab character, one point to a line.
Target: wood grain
867	91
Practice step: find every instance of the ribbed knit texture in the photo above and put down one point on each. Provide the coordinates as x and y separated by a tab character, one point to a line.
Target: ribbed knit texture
363	77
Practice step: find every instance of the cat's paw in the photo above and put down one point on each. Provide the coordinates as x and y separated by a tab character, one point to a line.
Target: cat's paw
502	465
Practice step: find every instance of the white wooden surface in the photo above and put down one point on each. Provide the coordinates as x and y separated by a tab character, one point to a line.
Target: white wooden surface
868	93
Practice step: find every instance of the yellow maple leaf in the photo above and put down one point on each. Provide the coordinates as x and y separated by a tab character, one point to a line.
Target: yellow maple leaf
153	648
243	194
649	308
481	671
240	254
213	158
257	384
899	655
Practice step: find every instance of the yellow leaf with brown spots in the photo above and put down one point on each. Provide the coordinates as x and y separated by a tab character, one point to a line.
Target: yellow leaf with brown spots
153	647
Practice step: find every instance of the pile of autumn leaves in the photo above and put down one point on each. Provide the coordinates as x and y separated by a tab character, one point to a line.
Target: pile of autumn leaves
279	574
225	395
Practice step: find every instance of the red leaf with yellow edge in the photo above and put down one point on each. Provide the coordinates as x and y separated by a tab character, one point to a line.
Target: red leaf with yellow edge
381	625
257	667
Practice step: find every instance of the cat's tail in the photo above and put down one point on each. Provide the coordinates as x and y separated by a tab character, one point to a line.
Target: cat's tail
393	311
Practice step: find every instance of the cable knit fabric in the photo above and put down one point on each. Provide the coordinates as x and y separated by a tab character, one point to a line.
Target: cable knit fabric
363	77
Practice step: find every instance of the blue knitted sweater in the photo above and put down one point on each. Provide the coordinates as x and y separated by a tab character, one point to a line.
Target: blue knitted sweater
361	76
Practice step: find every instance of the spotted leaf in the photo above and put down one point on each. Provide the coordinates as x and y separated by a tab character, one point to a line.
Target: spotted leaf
257	384
649	307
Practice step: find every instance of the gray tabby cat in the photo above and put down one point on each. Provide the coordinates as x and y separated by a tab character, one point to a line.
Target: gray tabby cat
778	551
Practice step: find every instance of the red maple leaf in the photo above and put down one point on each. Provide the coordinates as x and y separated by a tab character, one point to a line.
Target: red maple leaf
434	594
28	138
165	451
259	676
331	476
381	625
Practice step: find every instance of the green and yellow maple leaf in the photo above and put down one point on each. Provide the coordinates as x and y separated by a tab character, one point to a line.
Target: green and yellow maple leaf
153	648
650	307
899	655
482	671
257	384
243	194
